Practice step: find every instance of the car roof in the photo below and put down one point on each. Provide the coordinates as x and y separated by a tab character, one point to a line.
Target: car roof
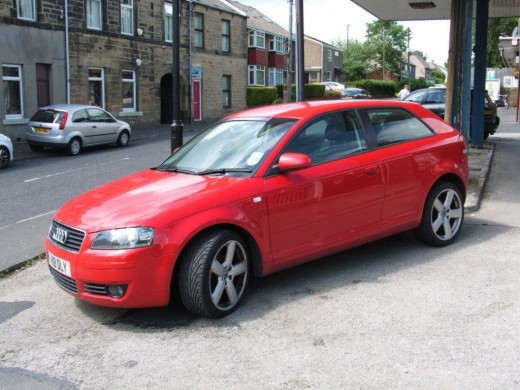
67	107
307	110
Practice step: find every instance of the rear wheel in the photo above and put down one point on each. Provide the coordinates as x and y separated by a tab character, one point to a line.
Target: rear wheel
213	274
123	139
5	157
74	147
442	216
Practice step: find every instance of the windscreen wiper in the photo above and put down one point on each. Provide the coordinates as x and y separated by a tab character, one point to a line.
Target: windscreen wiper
222	171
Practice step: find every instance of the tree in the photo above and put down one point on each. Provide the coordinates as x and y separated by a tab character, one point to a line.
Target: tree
496	28
438	76
355	57
419	53
393	37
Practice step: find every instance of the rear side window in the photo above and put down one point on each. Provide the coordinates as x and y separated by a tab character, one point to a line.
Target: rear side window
394	125
416	97
47	116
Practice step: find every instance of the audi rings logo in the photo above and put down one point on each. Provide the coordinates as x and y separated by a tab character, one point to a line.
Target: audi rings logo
59	235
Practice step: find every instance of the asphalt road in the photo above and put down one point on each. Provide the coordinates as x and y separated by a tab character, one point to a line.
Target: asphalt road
33	189
393	314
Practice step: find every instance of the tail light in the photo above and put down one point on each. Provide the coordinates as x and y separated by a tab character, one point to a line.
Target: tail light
63	120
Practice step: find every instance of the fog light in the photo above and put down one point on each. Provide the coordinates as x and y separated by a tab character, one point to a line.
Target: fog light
117	290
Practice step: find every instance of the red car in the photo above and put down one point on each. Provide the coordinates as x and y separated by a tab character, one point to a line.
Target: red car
263	190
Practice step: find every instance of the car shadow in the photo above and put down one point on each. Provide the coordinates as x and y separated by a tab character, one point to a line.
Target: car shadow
370	263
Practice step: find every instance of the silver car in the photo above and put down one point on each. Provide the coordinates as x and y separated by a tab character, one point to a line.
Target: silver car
6	151
73	127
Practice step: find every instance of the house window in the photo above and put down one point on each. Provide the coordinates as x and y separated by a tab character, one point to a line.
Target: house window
26	9
96	87
257	39
313	77
127	17
198	23
94	14
329	55
328	76
275	77
129	90
226	91
277	44
168	28
226	36
12	86
256	75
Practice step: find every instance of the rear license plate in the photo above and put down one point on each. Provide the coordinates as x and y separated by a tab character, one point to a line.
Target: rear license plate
41	130
60	265
487	112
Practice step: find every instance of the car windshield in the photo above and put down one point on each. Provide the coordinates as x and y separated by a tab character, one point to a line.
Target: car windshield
231	147
47	116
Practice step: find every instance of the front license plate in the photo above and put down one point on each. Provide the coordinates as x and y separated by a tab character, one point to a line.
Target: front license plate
41	130
60	265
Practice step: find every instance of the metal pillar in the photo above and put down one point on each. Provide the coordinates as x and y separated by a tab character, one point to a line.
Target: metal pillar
290	51
452	81
479	87
300	67
465	104
176	126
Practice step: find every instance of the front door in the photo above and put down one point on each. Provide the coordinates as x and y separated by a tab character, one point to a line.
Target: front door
197	100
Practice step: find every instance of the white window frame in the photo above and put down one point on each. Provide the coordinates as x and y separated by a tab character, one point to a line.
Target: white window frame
198	30
313	77
127	11
94	15
275	77
277	44
24	7
133	81
98	79
18	79
257	39
255	71
329	55
226	35
168	20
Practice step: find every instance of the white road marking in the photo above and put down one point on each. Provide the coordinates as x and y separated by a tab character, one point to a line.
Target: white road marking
28	219
73	170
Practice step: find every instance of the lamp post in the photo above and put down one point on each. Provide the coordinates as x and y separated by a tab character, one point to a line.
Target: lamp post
176	126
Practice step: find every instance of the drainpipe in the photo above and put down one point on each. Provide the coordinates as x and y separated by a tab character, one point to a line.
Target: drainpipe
190	58
300	68
67	66
290	50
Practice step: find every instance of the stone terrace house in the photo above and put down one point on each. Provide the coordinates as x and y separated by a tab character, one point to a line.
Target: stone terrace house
267	49
322	61
120	58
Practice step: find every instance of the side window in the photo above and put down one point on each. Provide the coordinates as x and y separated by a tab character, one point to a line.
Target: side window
98	115
416	97
393	125
436	97
80	116
330	137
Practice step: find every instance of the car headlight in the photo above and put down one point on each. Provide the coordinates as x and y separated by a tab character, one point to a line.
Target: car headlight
126	238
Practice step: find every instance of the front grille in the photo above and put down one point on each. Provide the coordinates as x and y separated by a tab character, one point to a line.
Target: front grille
64	282
71	238
99	289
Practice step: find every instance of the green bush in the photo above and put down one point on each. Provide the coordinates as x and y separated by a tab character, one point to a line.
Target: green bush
313	91
415	84
378	88
260	96
331	95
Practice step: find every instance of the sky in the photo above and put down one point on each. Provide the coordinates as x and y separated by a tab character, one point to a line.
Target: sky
327	20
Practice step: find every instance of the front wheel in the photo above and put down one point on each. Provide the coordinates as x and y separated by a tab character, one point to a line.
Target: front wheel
213	273
5	157
123	139
443	215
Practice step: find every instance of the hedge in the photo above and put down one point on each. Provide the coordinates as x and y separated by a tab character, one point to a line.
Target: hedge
260	96
377	88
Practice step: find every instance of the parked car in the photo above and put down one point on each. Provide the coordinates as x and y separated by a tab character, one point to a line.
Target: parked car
6	151
434	98
357	93
260	191
73	127
333	86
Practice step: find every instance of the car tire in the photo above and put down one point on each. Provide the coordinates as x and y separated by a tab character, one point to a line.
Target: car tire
5	157
74	147
123	139
213	273
443	215
36	148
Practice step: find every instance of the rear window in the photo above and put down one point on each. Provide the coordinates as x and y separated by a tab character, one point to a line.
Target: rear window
47	116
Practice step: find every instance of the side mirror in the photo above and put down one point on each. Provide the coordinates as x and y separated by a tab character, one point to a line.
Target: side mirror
293	161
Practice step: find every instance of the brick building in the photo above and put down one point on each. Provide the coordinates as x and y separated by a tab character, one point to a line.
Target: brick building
120	58
323	62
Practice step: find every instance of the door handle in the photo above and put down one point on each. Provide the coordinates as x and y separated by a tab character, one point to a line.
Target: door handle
372	171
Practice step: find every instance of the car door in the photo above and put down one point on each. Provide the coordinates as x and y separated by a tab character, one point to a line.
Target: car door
104	127
402	139
334	203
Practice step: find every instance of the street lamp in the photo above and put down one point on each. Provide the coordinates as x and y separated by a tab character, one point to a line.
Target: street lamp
176	127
